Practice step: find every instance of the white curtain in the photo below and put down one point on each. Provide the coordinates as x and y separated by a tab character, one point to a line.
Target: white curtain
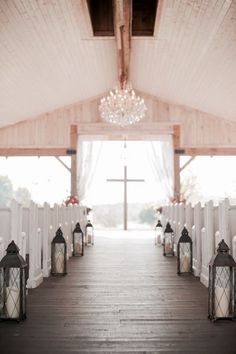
88	155
91	153
160	156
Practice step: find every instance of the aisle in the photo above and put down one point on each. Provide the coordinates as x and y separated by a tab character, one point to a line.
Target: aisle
122	296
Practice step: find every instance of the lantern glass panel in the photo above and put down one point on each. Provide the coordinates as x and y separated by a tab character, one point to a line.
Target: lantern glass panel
223	299
185	257
10	297
1	290
168	243
12	279
24	290
78	243
159	235
59	257
89	235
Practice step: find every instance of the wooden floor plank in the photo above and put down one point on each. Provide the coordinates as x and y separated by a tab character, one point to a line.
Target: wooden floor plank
123	296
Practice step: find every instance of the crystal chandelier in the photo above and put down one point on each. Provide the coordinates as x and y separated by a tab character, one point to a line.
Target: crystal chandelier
122	107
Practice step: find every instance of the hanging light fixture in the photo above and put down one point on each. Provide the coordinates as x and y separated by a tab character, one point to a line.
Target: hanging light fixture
122	106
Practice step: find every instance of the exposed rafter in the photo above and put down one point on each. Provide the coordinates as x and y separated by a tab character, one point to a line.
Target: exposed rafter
122	25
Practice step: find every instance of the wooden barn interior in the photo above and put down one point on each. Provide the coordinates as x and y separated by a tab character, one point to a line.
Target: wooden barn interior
58	59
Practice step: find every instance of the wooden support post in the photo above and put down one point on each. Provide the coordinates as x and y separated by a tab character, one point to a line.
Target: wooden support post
73	145
176	145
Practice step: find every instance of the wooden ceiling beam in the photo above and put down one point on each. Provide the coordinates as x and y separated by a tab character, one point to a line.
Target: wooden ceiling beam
204	151
36	152
122	25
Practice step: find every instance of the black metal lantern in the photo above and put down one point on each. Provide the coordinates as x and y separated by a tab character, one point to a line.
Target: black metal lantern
13	285
158	234
89	234
185	253
78	241
58	254
168	244
222	282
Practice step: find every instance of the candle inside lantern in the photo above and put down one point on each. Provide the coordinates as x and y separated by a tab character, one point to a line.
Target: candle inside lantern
158	236
162	238
89	238
185	263
13	302
168	247
59	264
222	298
77	247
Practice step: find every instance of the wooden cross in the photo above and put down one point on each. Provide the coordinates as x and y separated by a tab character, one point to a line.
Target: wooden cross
125	180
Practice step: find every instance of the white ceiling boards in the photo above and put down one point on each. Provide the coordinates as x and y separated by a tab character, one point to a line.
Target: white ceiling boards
50	59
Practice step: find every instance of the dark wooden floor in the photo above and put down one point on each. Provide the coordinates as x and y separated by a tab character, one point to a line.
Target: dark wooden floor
123	296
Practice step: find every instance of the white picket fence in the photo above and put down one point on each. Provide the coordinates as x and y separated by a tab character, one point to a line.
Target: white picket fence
207	225
33	229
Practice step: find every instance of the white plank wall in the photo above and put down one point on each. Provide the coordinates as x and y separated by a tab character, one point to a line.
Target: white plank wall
198	129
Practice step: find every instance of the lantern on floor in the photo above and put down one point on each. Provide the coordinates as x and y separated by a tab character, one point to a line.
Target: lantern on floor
222	282
58	254
78	241
13	285
168	244
184	253
158	233
89	234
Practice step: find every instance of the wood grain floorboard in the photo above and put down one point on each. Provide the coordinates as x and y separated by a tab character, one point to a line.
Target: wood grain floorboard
123	296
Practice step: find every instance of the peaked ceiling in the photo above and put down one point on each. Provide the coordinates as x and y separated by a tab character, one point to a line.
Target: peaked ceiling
49	57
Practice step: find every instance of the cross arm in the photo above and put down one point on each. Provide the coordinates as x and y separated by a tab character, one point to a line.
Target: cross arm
114	180
127	180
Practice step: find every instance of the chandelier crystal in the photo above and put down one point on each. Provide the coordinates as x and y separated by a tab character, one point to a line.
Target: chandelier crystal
122	107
